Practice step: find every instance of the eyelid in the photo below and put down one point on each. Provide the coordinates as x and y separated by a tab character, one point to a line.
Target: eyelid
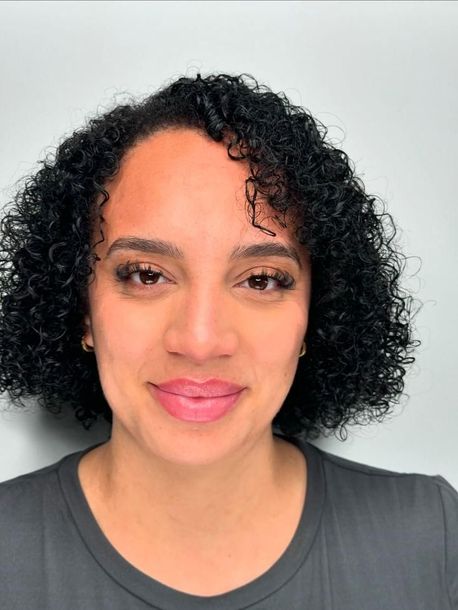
124	271
286	281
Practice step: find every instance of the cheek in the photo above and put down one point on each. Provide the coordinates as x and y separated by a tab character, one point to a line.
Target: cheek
123	334
278	335
124	352
275	344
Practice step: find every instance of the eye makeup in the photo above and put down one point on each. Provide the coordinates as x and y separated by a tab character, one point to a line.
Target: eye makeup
148	276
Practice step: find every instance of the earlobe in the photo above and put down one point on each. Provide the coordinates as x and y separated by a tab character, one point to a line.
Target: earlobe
87	335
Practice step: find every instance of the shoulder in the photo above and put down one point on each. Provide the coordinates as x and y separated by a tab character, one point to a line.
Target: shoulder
29	504
23	496
413	516
36	526
39	540
29	484
351	482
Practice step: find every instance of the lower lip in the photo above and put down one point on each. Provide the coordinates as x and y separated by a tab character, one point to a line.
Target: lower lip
195	409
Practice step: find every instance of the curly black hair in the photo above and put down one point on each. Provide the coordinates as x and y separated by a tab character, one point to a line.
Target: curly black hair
359	333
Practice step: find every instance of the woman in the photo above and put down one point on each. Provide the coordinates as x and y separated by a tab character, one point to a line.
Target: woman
203	270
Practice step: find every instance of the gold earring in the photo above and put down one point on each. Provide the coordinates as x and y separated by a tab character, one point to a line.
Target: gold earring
303	350
85	346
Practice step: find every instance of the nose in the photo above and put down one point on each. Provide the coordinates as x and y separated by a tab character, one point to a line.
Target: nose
202	325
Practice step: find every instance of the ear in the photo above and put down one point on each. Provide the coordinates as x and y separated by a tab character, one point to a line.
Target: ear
89	339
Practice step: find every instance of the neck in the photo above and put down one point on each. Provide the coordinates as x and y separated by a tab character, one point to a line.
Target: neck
136	486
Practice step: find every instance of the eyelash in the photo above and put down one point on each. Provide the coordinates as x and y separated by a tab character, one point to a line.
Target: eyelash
124	273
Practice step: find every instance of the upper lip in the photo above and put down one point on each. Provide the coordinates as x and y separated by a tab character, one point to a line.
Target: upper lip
205	389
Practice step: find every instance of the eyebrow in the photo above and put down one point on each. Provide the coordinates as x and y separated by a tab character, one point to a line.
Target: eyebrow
166	248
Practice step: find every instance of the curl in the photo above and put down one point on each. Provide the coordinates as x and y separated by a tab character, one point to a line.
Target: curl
360	331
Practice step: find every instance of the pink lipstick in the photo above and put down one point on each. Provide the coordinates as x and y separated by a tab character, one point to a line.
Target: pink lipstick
194	401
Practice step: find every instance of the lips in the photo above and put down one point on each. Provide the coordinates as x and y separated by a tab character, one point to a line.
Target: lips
194	389
192	401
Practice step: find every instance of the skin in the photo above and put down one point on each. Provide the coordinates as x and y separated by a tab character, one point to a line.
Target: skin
161	487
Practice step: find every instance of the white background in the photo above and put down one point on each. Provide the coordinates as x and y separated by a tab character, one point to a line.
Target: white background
381	75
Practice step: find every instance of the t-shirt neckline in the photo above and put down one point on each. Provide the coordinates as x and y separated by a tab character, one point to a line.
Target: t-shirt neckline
160	595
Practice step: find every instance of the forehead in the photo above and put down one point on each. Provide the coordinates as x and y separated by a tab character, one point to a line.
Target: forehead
180	185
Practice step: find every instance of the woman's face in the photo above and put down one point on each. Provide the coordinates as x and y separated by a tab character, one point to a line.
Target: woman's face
195	311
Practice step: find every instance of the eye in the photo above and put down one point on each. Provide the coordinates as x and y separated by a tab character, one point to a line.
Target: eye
265	281
147	275
261	281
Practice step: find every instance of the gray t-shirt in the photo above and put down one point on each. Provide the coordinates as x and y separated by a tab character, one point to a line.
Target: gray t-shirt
368	539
